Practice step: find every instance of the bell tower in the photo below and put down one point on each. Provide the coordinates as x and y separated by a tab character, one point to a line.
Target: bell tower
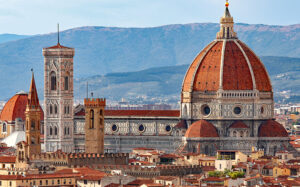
33	115
58	97
94	125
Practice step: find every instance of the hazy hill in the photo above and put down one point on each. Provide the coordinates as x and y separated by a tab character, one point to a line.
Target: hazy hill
165	82
102	50
11	37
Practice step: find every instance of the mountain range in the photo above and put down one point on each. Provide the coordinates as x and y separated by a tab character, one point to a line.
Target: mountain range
165	82
102	51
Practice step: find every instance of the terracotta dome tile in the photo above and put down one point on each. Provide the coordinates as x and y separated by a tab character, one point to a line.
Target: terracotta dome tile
15	108
189	78
238	124
236	73
261	76
201	129
207	77
272	128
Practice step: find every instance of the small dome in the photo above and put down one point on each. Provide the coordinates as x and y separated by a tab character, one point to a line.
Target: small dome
201	129
272	128
239	125
15	108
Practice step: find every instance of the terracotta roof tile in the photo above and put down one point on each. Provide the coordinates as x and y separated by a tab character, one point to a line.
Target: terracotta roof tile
147	113
58	46
207	76
15	108
261	76
272	128
238	124
201	129
7	159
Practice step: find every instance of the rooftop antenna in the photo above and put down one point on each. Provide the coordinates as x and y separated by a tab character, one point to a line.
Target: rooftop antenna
57	33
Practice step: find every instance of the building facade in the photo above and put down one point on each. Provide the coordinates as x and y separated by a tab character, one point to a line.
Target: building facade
227	98
58	98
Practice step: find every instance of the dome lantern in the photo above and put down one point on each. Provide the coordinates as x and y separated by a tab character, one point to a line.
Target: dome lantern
226	25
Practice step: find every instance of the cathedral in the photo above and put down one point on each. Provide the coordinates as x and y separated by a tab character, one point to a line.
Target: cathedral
226	104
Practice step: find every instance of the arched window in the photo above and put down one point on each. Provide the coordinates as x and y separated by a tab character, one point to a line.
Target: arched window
69	130
206	151
92	119
227	32
55	131
4	127
51	109
53	80
242	134
65	130
66	83
101	112
55	109
50	130
234	133
32	125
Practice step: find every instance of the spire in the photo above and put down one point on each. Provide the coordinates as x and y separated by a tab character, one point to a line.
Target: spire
33	100
226	25
58	34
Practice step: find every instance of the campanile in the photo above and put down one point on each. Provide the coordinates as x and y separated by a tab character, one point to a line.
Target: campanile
58	97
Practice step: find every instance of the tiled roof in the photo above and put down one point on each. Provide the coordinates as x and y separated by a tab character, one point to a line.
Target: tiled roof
181	125
58	46
7	159
146	113
153	113
15	108
204	72
238	124
272	128
201	129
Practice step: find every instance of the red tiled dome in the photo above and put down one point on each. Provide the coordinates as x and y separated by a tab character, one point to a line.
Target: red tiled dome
15	108
272	128
239	124
201	129
240	67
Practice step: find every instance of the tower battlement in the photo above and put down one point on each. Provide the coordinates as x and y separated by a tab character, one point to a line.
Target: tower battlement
92	102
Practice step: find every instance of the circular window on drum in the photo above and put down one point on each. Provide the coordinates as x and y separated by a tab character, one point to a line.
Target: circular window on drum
205	110
114	128
237	110
142	128
168	128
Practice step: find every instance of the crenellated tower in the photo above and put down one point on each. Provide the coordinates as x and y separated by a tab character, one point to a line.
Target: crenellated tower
94	125
58	92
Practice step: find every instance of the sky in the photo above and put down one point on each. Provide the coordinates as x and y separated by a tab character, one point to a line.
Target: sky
41	16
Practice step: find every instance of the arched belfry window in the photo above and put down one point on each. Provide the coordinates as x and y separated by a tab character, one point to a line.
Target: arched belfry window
92	119
32	125
50	130
51	109
55	131
55	109
67	82
53	80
